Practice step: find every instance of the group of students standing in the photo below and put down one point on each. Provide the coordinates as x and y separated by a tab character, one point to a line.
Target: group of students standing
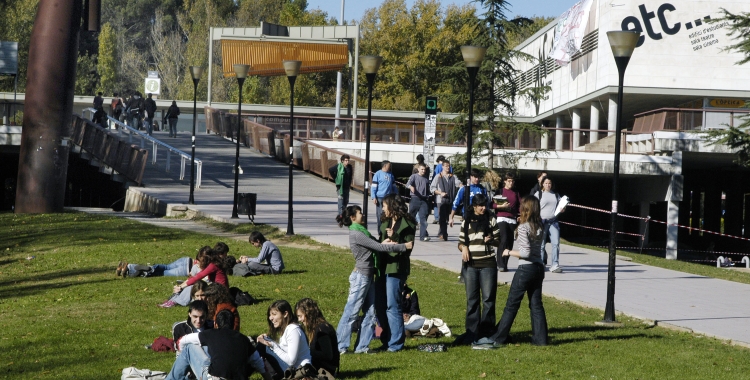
135	111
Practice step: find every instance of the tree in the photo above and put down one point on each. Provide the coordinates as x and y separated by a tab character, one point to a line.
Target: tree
18	18
86	76
106	64
168	51
736	137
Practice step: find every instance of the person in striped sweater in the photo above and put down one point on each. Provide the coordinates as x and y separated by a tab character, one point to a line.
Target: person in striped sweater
479	269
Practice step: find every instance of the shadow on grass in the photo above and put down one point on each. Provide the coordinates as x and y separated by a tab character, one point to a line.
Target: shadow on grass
29	290
362	373
590	334
56	275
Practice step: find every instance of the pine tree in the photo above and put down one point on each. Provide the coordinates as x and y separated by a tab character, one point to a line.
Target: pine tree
107	59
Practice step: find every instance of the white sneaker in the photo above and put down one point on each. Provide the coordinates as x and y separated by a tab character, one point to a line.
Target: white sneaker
555	269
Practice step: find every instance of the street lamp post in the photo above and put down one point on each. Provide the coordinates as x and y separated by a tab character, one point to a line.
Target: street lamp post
197	73
292	70
622	44
241	73
371	65
473	56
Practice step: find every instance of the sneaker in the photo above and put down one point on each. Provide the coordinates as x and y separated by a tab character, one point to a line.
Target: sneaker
555	269
168	304
483	344
426	238
460	280
343	352
124	269
118	271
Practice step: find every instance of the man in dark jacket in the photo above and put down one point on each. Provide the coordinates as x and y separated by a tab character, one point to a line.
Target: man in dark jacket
342	176
195	323
150	106
135	110
538	187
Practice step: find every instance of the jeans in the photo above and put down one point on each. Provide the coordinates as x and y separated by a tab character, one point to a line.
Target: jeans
551	230
419	207
445	213
361	297
192	357
528	279
415	324
506	242
172	127
149	123
378	212
183	298
388	309
177	268
481	285
343	200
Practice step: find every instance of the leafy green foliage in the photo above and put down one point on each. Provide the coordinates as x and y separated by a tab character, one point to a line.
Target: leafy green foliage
86	76
106	64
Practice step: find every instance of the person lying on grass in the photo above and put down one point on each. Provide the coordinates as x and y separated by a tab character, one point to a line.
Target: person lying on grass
227	353
269	260
212	266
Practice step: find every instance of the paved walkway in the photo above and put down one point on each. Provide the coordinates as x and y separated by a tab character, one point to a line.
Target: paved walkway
709	306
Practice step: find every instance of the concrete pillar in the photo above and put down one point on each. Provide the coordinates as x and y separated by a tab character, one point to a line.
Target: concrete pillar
544	143
612	122
644	212
576	128
695	209
734	206
594	123
673	211
559	133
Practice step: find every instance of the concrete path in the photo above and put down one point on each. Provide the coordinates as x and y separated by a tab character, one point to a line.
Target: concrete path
704	305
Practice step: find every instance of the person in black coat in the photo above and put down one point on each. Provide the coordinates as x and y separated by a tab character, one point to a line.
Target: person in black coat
150	106
171	117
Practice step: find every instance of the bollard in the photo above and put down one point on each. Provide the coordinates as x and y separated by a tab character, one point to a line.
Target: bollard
746	261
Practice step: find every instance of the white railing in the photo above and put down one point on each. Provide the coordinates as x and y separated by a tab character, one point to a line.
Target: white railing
132	133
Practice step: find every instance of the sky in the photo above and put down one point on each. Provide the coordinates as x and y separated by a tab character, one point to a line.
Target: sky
354	9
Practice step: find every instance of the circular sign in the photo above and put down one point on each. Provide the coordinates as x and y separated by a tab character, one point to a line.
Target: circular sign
153	85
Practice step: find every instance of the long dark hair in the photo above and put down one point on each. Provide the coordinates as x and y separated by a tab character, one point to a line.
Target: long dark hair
282	306
313	316
346	217
530	214
482	220
216	294
397	209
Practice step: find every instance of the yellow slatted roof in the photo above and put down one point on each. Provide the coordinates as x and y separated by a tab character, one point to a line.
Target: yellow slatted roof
265	57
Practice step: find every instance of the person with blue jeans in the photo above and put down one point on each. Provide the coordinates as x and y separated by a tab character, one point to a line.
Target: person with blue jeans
527	280
436	172
548	201
361	289
474	189
383	183
479	232
342	176
393	268
178	268
419	186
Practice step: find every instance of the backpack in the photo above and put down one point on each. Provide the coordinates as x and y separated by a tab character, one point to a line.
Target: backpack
241	297
131	373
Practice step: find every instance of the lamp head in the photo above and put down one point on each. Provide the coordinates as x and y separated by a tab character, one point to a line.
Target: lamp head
292	68
623	42
473	55
241	70
196	72
371	63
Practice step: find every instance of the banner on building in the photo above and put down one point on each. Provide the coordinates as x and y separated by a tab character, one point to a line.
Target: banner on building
569	32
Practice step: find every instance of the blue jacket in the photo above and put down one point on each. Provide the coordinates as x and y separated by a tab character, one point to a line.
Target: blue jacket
475	189
439	169
383	183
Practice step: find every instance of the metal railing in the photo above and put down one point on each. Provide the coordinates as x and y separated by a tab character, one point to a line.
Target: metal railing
131	133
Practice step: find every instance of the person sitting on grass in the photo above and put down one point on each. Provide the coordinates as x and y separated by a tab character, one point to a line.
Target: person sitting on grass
196	322
218	298
527	280
322	337
212	266
191	293
285	345
269	260
220	352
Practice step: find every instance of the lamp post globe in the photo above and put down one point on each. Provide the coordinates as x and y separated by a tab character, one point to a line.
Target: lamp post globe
370	64
240	71
622	44
292	69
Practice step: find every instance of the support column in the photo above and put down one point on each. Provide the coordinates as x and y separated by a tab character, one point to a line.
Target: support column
594	123
612	121
673	211
734	206
576	128
644	212
559	133
695	210
544	143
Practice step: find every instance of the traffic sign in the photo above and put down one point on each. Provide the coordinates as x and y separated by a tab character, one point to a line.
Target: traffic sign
153	86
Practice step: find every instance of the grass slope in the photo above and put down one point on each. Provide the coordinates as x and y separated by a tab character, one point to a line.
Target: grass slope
66	315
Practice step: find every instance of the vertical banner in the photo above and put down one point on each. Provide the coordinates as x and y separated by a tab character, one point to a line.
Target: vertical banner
430	127
569	32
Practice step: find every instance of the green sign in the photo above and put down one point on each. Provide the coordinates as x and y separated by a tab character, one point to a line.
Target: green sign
431	106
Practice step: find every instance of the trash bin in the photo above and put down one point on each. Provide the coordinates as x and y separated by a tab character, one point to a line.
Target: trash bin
246	204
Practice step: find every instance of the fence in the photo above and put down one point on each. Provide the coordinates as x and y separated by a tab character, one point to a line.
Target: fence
106	147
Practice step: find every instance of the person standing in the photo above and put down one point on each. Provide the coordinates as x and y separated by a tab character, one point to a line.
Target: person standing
479	270
419	205
538	184
150	108
337	133
383	183
445	186
507	217
171	117
98	100
527	280
420	161
135	110
436	172
474	189
361	289
548	201
393	268
342	176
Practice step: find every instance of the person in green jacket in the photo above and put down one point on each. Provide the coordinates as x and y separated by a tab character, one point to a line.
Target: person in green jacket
397	226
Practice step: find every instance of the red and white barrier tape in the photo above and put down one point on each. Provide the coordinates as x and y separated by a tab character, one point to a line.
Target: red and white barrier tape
599	229
605	211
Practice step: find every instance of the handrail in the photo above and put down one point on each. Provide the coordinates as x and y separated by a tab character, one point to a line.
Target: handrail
184	157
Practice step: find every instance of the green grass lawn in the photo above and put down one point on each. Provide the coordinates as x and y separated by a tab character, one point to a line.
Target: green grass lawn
67	316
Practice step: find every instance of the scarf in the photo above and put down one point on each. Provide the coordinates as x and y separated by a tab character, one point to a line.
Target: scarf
340	179
362	229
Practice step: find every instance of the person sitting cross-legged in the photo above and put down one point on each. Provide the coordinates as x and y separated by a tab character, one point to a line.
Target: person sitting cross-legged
195	323
220	352
269	260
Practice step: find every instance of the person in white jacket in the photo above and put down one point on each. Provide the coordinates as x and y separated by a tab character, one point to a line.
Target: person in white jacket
285	343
